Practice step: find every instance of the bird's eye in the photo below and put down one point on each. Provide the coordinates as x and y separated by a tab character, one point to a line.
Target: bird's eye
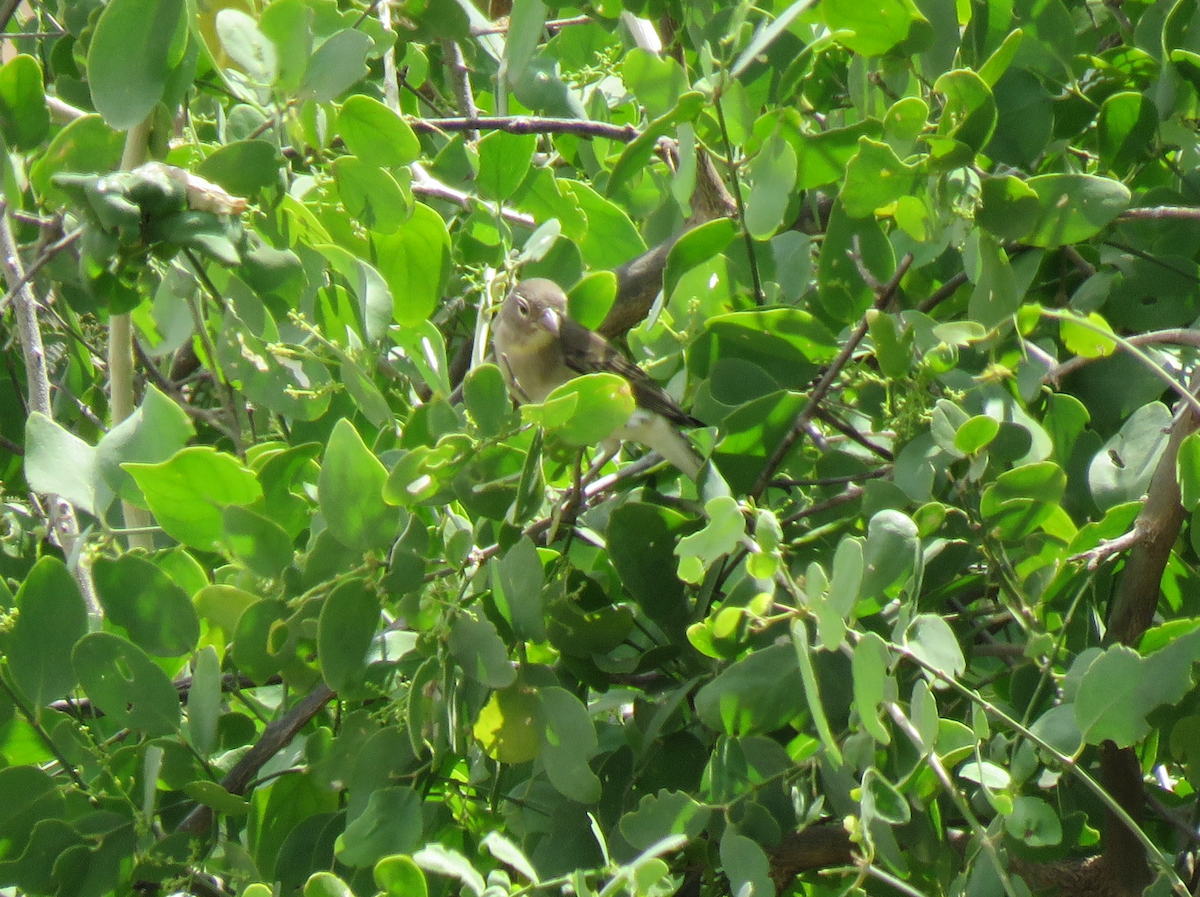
523	307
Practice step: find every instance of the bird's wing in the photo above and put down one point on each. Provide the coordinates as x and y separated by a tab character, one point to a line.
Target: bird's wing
586	352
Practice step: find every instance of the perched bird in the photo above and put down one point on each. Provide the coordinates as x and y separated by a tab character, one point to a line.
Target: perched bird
539	348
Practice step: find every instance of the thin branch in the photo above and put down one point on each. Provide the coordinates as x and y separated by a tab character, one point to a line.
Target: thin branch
63	521
1159	213
459	76
1177	336
274	738
942	293
736	187
527	125
552	25
426	185
853	493
44	257
826	382
223	384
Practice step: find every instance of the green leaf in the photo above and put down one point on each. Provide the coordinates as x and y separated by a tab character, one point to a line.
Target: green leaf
125	684
568	741
446	861
976	434
510	854
517	582
255	650
1034	822
335	66
135	46
1090	338
486	399
875	178
157	615
59	463
745	864
611	238
1120	688
892	553
86	144
659	816
766	36
641	544
1125	130
288	25
721	535
1121	470
23	113
156	430
350	492
415	262
188	493
504	162
477	647
882	801
812	691
371	195
257	541
822	158
347	625
931	640
598	405
390	824
697	246
1187	469
248	48
841	288
772	176
204	700
213	795
243	168
326	884
969	115
638	152
876	28
996	296
658	81
51	618
757	694
872	684
787	343
376	134
1008	209
1074	207
509	724
399	876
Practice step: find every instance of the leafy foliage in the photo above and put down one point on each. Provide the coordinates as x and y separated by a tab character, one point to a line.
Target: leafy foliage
927	271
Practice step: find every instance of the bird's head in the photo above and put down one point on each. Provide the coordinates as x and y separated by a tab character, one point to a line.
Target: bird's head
534	311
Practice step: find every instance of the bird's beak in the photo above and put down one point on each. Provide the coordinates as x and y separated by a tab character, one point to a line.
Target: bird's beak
550	321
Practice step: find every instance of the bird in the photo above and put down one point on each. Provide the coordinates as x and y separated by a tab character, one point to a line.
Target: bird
539	348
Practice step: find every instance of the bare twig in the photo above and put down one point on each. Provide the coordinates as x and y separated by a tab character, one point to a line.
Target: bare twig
1178	336
63	520
528	125
459	76
426	184
44	257
1158	213
274	738
822	387
552	25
